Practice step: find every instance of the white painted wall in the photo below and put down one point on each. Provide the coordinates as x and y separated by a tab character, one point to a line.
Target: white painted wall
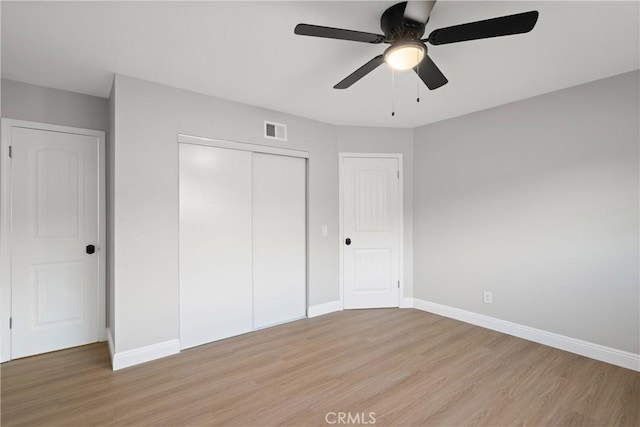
149	116
536	201
1	343
41	104
355	139
110	205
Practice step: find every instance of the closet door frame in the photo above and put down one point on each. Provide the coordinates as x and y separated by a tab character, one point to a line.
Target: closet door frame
242	146
265	149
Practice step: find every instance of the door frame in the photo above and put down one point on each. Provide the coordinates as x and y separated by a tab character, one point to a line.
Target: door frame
264	149
398	156
5	225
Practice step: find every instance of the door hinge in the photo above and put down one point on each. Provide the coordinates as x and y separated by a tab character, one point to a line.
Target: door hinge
10	322
10	151
398	284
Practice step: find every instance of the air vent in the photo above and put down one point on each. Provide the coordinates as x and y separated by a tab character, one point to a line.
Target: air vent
274	130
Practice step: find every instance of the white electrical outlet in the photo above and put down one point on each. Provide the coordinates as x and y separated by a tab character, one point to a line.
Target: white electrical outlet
325	230
487	297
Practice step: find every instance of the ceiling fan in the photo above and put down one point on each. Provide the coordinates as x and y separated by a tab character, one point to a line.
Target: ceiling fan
403	25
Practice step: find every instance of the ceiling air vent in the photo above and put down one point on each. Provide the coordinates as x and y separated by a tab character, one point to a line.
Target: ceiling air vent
274	130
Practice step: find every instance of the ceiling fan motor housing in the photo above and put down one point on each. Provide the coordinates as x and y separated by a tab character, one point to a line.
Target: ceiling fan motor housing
396	27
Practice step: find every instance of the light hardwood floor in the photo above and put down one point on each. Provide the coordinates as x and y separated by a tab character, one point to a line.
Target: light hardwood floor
406	366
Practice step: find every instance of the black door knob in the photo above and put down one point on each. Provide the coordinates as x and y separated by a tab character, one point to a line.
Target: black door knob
347	242
90	249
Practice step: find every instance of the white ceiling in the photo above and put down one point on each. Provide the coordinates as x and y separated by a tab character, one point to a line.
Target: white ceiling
247	52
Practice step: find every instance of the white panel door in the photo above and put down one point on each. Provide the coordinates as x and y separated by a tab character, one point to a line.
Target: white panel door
371	231
54	211
215	244
279	239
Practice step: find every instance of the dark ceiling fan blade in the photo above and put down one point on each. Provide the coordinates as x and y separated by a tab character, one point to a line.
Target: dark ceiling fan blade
419	11
430	74
360	72
337	33
495	27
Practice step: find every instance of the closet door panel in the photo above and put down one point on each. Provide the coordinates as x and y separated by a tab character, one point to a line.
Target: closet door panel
215	244
279	239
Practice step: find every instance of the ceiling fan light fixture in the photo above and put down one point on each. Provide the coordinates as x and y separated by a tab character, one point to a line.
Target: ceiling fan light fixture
405	55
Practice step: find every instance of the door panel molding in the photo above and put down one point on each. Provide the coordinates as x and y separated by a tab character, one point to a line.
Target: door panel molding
341	180
5	224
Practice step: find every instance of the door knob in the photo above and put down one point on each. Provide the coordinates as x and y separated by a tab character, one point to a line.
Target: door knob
90	249
347	242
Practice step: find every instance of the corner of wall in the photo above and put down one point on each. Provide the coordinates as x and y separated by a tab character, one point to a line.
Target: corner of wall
325	308
110	166
140	355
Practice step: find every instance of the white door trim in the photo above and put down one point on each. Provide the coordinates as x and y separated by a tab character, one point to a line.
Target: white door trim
242	146
5	225
341	156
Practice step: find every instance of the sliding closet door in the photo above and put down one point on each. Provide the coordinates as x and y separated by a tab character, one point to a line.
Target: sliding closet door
279	239
215	244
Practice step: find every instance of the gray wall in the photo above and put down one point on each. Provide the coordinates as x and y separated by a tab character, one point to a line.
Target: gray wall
536	201
149	117
142	202
111	173
41	104
355	139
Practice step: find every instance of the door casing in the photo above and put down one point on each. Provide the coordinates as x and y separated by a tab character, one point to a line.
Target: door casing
397	156
5	225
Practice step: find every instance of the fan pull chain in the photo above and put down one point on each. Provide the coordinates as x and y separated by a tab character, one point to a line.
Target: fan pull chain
417	79
393	91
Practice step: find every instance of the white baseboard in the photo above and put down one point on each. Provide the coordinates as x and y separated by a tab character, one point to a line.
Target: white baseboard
584	348
406	303
148	353
326	308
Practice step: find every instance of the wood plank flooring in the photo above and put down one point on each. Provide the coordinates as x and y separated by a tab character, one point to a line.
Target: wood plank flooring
408	367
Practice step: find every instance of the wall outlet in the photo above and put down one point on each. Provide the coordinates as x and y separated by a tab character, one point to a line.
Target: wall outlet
325	231
487	297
